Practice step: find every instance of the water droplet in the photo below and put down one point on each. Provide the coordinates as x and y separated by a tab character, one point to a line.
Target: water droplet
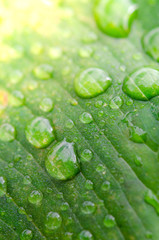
122	68
85	235
105	186
89	185
53	221
109	221
16	99
114	17
46	105
116	103
7	132
55	52
86	118
137	134
149	235
89	37
73	102
88	207
138	161
35	197
69	124
43	71
98	104
150	43
16	77
100	113
86	155
39	132
92	82
3	186
100	168
151	199
64	206
155	111
142	84
26	235
85	52
129	102
61	162
68	236
27	180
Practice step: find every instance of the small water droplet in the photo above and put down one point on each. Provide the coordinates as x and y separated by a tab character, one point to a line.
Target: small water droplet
86	155
85	52
68	236
138	161
7	132
115	17
55	52
88	207
46	105
73	102
69	124
16	99
129	102
36	48
35	197
27	180
105	186
16	77
89	37
39	132
137	134
150	43
151	199
43	71
86	118
92	82
116	102
89	185
85	235
101	168
3	186
26	235
149	235
53	221
64	206
109	221
122	68
98	104
61	162
142	84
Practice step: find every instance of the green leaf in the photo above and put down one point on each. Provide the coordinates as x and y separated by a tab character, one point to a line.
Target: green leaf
102	178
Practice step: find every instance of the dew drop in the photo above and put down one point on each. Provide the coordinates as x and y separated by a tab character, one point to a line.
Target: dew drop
137	134
16	99
98	104
105	186
26	235
100	168
88	207
35	197
69	124
89	185
116	103
3	186
16	77
86	118
61	162
27	180
150	43
64	206
109	221
68	236
43	71
53	221
89	37
46	105
115	17
55	52
92	82
151	199
7	132
85	235
86	155
39	132
142	84
149	235
138	161
85	52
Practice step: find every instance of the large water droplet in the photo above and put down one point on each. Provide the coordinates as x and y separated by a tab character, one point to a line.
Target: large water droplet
86	155
86	118
35	197
61	161
7	132
151	199
150	43
116	102
137	134
26	235
142	84
115	17
46	105
91	83
85	235
39	132
43	71
53	221
109	221
88	207
3	186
